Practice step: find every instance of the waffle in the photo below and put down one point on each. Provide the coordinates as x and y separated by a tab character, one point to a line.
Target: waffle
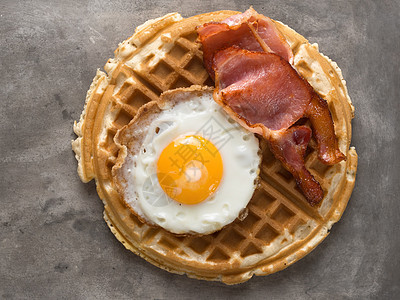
281	227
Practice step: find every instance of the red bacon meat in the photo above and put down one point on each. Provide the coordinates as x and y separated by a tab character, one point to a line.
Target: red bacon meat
250	31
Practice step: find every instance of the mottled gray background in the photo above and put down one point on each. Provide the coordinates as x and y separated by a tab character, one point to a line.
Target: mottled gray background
53	240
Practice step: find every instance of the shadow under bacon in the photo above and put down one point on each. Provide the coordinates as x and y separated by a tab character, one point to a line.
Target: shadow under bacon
250	62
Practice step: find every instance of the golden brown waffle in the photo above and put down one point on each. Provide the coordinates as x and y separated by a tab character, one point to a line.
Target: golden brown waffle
281	226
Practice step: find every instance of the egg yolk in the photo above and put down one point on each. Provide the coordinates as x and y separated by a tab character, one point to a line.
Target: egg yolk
189	169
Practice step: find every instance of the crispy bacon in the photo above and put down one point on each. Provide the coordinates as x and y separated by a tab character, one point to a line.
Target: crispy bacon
256	84
290	147
250	31
324	131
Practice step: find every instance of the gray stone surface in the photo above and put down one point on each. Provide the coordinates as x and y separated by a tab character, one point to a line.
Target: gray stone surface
53	240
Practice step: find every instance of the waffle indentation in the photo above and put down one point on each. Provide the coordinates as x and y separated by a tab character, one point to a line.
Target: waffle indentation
123	118
162	70
267	234
136	221
191	36
199	244
282	214
195	66
285	174
262	200
150	233
298	222
168	243
177	52
110	145
137	99
250	250
110	164
218	255
147	83
232	239
180	82
250	221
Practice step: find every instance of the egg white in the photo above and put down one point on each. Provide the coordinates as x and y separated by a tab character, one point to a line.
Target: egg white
237	147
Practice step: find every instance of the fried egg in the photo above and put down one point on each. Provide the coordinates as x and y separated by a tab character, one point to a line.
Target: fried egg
185	165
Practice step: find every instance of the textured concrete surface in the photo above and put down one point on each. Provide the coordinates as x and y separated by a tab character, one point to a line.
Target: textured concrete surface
53	240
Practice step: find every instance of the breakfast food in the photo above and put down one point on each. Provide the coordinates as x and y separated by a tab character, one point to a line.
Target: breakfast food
184	150
280	226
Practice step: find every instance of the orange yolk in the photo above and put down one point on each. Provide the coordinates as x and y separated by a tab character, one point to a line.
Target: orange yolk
189	169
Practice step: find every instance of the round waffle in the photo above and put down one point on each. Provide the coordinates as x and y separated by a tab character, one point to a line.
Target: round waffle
281	227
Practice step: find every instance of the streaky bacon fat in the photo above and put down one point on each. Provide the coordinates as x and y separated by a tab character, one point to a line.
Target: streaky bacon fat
250	31
261	87
264	31
217	36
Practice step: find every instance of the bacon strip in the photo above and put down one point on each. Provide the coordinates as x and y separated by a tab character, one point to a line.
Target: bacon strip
267	96
324	131
264	31
250	31
290	148
260	87
217	36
